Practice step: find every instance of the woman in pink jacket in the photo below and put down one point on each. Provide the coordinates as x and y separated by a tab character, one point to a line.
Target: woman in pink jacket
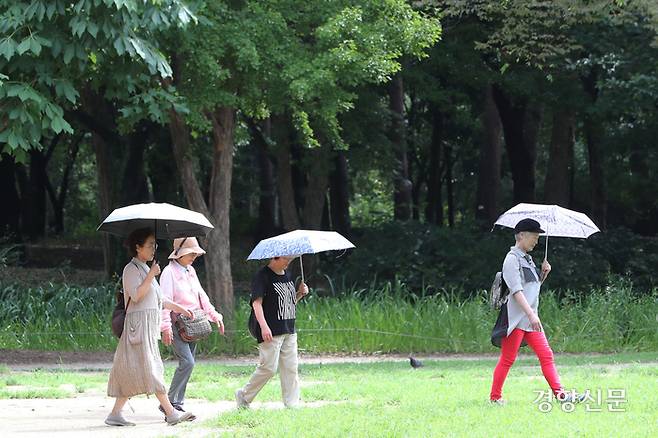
180	284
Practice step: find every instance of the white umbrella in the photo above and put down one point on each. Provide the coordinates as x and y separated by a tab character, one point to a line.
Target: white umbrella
299	242
555	220
168	221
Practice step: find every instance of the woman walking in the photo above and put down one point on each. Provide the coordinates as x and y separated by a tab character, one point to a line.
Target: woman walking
137	367
519	322
181	285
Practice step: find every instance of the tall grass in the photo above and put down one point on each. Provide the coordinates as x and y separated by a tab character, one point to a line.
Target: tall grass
388	319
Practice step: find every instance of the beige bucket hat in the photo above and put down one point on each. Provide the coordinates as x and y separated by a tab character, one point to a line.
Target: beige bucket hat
185	245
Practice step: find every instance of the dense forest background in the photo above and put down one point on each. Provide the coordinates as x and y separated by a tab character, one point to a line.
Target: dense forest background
406	126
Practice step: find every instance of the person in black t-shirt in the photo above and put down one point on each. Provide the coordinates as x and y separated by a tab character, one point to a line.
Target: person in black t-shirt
272	322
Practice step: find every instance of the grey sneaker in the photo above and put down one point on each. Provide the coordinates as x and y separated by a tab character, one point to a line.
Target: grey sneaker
239	399
178	417
117	420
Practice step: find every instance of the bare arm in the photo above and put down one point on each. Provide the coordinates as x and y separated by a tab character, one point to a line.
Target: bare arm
143	288
168	304
260	317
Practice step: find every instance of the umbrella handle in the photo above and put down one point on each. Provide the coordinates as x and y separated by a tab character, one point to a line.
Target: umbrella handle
543	277
301	265
155	235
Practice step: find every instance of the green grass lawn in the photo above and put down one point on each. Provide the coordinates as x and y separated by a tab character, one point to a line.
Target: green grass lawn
444	398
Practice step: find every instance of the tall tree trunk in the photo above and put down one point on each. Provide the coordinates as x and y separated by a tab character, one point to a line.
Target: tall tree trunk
163	173
448	159
402	184
557	187
287	200
99	117
340	195
520	127
34	201
267	195
488	189
58	197
134	184
217	259
315	199
593	137
9	199
416	191
316	188
434	207
218	265
105	199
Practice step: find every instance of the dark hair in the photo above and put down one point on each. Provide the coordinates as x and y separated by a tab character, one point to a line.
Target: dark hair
137	237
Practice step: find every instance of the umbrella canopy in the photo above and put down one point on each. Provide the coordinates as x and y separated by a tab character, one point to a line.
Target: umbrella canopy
299	242
555	220
168	221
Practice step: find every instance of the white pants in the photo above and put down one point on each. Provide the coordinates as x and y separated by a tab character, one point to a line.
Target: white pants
281	353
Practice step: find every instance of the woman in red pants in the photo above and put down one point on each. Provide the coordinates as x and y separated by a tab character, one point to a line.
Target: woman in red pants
518	323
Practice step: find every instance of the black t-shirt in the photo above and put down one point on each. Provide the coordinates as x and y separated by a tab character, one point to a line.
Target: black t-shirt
278	293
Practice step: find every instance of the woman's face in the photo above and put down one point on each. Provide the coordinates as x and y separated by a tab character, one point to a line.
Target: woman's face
187	259
529	240
281	263
146	252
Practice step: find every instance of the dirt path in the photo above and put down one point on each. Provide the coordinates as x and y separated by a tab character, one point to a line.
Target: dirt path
83	416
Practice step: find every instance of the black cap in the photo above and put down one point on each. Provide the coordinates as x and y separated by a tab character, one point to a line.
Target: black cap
528	224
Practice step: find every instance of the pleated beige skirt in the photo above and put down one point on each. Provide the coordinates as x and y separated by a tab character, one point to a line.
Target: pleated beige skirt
137	367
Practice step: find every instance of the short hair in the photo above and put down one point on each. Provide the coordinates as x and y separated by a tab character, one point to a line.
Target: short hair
137	237
518	236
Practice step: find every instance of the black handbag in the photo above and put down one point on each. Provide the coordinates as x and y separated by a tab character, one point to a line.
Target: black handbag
119	312
499	330
500	327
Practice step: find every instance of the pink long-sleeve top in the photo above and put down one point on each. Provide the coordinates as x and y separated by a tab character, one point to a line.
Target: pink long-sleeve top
181	285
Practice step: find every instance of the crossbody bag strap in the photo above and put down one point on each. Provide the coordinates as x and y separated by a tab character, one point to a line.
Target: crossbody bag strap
189	280
129	297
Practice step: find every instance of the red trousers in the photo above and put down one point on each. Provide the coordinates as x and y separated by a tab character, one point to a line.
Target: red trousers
509	349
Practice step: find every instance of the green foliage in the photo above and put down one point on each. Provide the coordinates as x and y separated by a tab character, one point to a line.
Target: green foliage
273	57
9	255
49	49
392	318
440	260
